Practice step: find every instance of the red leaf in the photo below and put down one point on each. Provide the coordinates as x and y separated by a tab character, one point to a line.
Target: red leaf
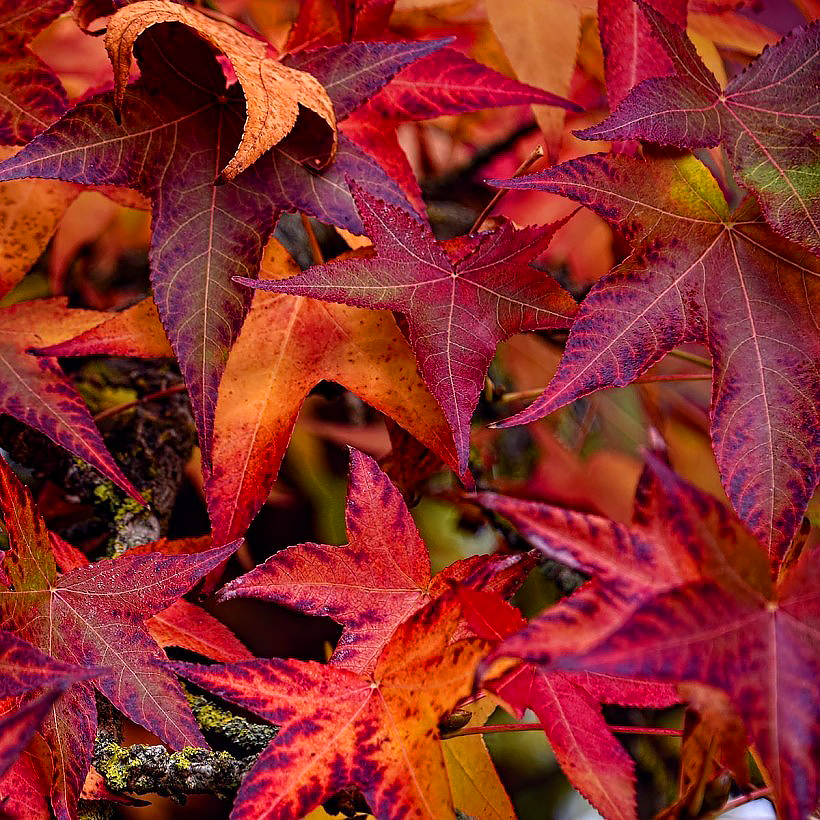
378	732
93	616
268	376
23	790
23	667
376	581
180	126
568	706
729	626
31	97
190	627
699	273
766	118
632	52
461	298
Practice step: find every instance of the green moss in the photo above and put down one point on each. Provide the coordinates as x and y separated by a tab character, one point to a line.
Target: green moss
112	762
249	738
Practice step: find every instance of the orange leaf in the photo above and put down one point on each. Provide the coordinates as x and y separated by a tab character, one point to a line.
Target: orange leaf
273	92
378	732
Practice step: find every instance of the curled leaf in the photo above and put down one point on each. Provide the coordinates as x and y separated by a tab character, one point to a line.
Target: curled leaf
275	95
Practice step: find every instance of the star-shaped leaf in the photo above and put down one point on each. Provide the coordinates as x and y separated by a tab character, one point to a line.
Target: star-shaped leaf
24	669
93	616
287	345
180	127
338	728
568	706
767	118
377	580
35	390
461	298
181	624
728	625
698	273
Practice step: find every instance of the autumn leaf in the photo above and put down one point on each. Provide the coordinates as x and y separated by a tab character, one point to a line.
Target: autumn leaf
698	273
632	52
181	624
273	92
568	706
475	784
31	96
93	616
185	125
35	390
287	345
374	582
728	624
767	119
540	39
24	668
338	728
29	215
461	298
18	727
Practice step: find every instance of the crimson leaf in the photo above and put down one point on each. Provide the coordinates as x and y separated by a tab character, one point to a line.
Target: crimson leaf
715	616
461	298
767	118
94	616
698	273
180	126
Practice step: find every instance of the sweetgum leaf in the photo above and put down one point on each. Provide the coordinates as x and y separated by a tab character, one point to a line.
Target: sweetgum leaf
37	392
273	92
287	345
29	215
728	625
180	127
182	624
460	298
568	706
632	52
698	273
377	580
93	616
31	96
767	118
338	728
21	789
22	669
